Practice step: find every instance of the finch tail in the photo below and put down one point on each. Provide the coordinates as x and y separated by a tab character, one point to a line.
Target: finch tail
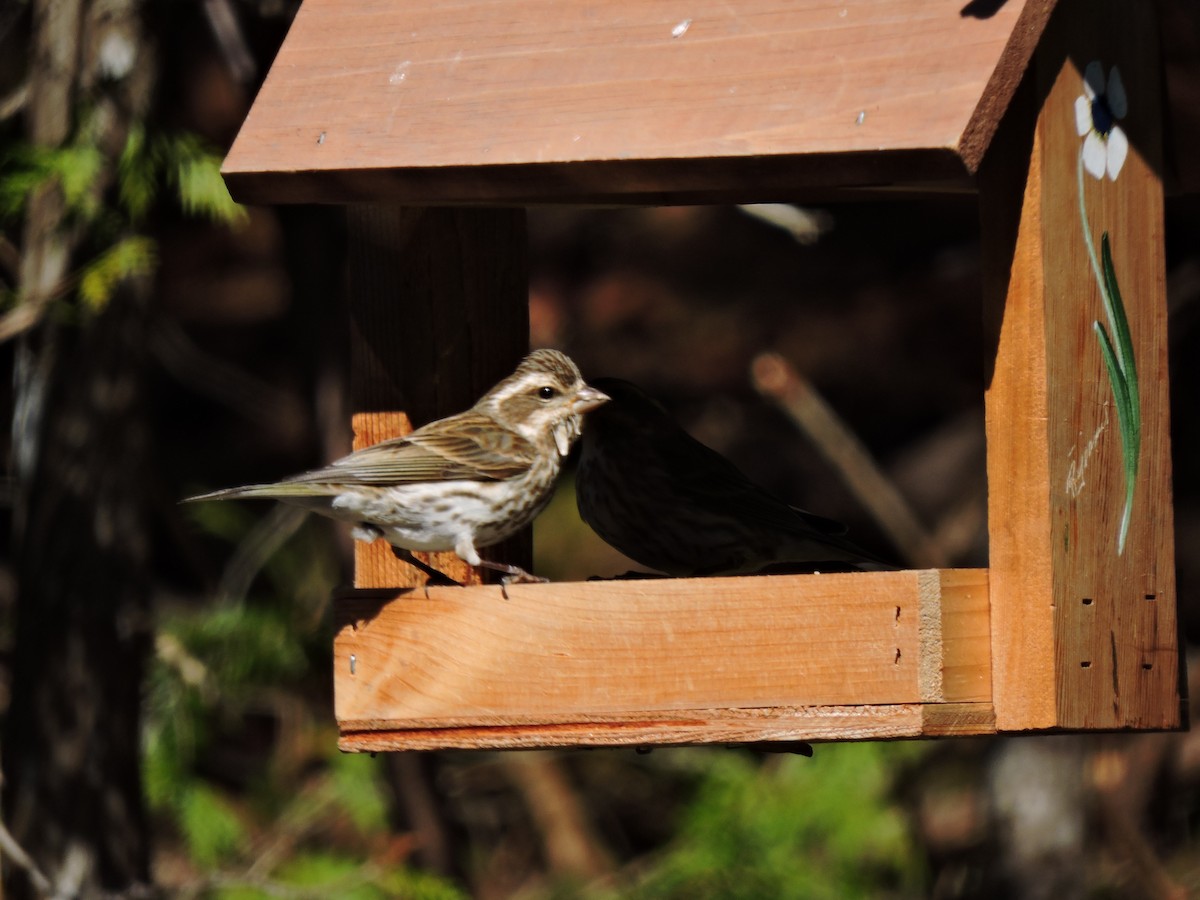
283	490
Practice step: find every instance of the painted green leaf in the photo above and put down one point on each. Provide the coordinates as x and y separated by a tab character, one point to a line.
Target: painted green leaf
1124	349
1125	412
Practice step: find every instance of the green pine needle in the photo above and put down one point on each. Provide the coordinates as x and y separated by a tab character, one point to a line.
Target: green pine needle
137	178
131	257
195	172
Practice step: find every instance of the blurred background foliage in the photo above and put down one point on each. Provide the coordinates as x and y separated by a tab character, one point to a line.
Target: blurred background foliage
876	304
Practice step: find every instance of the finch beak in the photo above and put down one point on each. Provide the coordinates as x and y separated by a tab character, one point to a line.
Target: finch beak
589	398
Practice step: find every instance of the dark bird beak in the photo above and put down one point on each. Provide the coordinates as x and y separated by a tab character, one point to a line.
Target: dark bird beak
589	398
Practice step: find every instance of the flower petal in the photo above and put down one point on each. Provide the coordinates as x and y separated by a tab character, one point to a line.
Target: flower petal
1095	154
1093	79
1083	115
1118	149
1117	100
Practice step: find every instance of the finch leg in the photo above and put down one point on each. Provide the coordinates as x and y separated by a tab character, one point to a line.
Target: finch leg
512	575
435	577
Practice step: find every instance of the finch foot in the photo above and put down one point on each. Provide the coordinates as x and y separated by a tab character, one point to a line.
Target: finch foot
512	575
435	577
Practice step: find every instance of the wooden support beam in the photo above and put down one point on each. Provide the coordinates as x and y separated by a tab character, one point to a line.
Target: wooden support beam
849	656
439	313
1083	619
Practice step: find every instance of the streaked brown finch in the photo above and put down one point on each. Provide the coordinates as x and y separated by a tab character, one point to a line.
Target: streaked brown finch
460	483
668	502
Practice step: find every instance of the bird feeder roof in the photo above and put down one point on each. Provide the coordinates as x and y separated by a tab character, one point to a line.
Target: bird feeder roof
476	101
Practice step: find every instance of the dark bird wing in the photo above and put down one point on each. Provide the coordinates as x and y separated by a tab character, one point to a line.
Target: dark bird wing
706	473
726	491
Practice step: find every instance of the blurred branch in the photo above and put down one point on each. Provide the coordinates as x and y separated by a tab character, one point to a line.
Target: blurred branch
228	31
17	321
1122	775
570	844
17	855
304	816
191	671
15	101
957	528
31	308
260	544
799	399
210	376
407	776
292	828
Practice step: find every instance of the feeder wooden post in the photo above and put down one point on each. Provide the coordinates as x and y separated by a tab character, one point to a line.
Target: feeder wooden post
439	313
1083	629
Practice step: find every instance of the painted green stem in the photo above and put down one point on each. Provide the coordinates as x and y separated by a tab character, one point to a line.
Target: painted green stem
1118	358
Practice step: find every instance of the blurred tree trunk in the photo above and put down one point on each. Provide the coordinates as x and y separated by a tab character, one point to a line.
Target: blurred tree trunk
83	624
72	793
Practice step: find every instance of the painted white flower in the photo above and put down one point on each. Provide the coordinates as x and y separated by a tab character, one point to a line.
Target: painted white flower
1096	113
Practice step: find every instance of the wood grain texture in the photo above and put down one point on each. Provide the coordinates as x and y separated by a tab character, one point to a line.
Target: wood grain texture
439	313
1117	655
1084	636
1016	412
957	719
722	726
659	661
477	101
966	635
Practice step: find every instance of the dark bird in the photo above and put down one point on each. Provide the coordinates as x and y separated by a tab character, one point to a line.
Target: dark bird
668	502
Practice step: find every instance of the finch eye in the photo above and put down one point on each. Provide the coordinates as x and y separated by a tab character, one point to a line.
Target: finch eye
546	393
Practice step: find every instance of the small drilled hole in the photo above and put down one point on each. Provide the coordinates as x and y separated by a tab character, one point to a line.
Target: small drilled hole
1087	601
1086	664
1152	596
1147	666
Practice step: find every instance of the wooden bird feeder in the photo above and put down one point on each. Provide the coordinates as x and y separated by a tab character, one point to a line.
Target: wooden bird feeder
436	124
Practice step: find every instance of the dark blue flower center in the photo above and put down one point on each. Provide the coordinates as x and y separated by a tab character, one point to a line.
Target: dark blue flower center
1102	115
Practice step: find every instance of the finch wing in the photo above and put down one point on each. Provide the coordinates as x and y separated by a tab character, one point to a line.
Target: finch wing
467	446
476	443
